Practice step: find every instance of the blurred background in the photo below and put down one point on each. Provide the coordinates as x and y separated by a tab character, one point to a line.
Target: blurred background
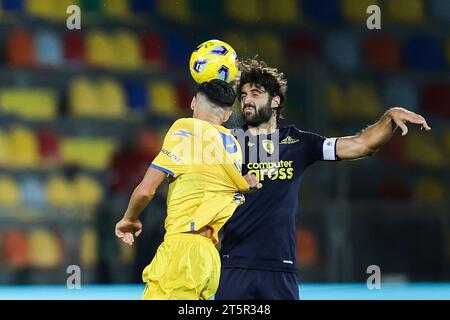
82	114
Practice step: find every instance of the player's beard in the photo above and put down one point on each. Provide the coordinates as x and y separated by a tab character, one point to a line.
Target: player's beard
258	117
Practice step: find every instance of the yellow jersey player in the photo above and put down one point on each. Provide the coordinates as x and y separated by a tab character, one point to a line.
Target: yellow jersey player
202	161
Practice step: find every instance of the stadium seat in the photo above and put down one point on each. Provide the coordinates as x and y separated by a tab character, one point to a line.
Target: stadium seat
23	147
184	97
89	247
391	188
74	47
100	49
30	104
9	192
447	141
153	50
33	192
269	45
251	12
342	50
436	99
382	51
356	11
336	101
91	7
59	192
112	100
178	51
206	10
303	45
128	53
45	249
48	146
288	13
136	96
15	248
117	9
307	247
163	98
90	153
323	11
394	150
363	101
87	190
39	8
83	98
142	7
177	10
424	52
429	190
241	43
13	6
401	92
405	11
440	10
49	51
4	148
424	150
20	48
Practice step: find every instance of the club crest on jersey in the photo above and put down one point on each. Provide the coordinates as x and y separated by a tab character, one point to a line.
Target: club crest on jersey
268	146
289	140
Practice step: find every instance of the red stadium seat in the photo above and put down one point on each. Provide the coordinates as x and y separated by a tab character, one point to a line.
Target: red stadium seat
436	99
15	248
153	50
382	52
74	47
303	45
184	97
307	247
20	49
48	146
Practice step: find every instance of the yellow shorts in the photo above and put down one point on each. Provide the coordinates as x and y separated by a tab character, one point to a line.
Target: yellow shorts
185	267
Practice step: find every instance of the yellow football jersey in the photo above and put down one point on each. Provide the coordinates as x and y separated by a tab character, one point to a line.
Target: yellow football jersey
203	162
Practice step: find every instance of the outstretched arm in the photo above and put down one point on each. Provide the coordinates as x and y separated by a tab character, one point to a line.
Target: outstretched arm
371	139
130	226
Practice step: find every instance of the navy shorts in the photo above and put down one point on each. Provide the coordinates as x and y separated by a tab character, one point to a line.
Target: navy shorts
250	284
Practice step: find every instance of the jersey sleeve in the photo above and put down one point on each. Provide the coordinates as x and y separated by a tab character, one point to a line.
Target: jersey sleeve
319	147
170	159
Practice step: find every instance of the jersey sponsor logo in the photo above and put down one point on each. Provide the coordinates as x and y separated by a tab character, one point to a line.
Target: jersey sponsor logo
268	146
281	170
289	140
172	156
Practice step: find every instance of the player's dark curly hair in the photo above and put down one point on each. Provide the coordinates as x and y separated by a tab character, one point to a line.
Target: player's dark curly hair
254	71
218	92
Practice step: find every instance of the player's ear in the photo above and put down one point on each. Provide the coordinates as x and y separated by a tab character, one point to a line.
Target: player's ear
193	102
227	115
275	102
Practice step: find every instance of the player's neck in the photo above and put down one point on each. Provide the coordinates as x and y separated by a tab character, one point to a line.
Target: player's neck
264	128
210	118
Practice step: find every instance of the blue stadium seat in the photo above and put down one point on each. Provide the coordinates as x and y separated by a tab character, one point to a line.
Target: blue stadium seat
343	51
33	192
15	6
48	48
324	11
136	96
143	6
401	92
178	50
424	52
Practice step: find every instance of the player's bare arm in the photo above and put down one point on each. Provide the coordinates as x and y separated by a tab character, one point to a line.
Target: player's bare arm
130	226
371	139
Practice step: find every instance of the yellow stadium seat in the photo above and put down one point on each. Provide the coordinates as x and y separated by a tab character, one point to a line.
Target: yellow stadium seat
288	12
243	45
39	8
30	104
127	50
4	148
424	150
163	98
112	100
405	11
60	192
178	10
270	47
429	189
89	247
336	101
247	11
93	153
87	190
100	49
9	192
23	147
117	8
363	101
356	11
45	249
83	98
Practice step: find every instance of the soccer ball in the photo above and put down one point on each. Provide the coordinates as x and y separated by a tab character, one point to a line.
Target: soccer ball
213	59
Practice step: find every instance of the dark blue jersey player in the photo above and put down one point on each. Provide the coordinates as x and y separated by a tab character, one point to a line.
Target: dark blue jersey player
259	241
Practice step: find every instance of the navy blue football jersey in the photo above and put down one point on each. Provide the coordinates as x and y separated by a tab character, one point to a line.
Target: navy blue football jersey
261	234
